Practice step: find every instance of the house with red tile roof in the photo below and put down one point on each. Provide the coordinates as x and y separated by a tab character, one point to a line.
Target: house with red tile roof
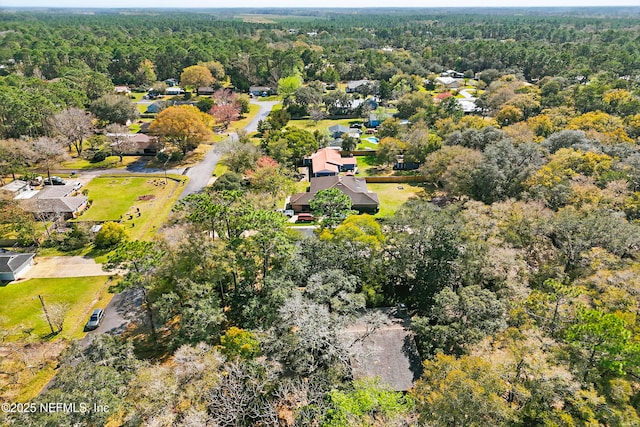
329	162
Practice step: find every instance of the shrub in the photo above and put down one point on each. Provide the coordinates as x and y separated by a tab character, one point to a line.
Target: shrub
110	235
99	156
75	239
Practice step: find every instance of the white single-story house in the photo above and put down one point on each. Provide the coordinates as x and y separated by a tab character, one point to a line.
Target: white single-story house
122	90
449	82
14	264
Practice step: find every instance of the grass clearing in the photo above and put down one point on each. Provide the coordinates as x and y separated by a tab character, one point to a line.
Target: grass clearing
368	166
394	195
365	144
143	203
323	125
21	309
29	350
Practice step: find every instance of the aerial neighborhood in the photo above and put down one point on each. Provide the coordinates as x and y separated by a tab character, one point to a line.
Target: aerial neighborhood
317	217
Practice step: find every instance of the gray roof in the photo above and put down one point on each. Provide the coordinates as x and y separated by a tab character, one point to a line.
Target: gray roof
12	261
15	186
259	89
354	84
339	129
55	191
69	204
389	353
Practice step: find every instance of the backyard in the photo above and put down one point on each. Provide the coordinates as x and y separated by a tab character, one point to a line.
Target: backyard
393	195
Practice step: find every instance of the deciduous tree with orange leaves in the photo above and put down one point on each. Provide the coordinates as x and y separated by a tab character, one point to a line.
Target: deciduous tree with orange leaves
182	126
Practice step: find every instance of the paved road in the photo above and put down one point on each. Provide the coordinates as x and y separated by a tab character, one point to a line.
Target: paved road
200	175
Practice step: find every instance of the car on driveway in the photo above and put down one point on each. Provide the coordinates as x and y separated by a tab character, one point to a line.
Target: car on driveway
305	217
94	320
54	180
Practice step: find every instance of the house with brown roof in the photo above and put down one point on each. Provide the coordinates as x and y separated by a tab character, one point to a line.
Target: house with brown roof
205	91
329	161
362	200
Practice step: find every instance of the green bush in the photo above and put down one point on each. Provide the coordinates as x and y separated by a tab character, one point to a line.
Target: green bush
110	235
75	239
99	156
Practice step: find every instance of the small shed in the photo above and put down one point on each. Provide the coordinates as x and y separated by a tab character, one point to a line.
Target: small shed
17	187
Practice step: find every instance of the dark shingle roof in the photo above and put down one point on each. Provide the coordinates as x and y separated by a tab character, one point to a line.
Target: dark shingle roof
12	261
60	205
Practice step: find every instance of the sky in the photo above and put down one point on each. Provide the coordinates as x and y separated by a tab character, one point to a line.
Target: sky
311	4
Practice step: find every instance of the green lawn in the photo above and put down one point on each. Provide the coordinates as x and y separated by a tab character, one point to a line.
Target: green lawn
118	196
137	96
21	308
109	162
392	196
368	166
364	144
311	126
220	169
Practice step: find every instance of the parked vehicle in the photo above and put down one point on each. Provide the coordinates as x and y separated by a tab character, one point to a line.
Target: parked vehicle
94	320
305	217
54	180
288	212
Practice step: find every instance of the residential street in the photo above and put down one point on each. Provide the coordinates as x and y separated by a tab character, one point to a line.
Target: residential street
200	174
123	307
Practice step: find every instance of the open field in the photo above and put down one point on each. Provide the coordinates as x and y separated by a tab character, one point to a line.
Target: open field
392	196
143	203
323	125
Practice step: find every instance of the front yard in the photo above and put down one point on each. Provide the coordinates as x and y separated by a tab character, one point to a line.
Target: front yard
142	204
22	315
28	353
110	162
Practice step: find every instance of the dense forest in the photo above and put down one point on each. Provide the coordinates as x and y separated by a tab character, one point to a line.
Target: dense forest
518	266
